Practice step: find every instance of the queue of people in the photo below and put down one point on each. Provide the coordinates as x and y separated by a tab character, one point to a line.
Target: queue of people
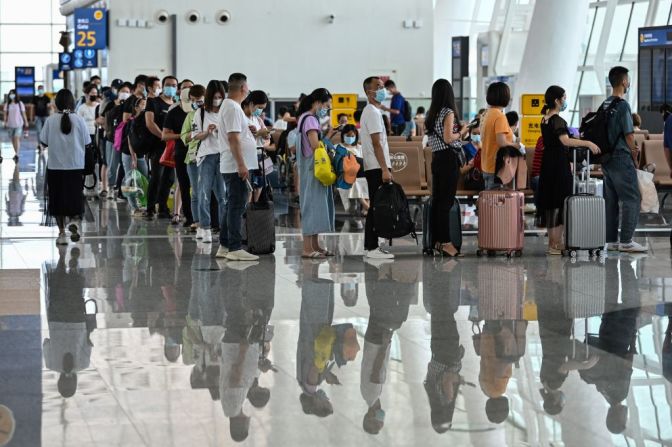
216	142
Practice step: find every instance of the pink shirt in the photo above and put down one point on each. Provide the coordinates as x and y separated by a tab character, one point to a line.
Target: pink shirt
13	113
311	123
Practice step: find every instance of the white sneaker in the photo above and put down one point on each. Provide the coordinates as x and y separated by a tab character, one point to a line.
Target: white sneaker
207	236
633	247
62	239
378	253
241	255
222	252
613	246
199	233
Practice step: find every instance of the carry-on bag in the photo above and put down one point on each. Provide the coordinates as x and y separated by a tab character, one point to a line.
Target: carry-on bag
584	217
260	221
501	225
455	220
391	214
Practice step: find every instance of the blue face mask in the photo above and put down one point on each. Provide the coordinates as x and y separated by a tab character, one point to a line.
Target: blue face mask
194	106
257	112
170	91
144	92
350	141
380	95
476	138
322	113
564	106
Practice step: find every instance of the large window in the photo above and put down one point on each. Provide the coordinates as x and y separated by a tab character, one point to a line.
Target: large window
29	34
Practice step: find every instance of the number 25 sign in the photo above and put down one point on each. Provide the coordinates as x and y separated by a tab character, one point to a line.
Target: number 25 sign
91	28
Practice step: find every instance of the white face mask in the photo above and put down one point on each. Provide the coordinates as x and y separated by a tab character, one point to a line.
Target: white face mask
123	96
217	102
157	91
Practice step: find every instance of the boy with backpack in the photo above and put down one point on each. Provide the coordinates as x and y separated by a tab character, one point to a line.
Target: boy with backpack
618	166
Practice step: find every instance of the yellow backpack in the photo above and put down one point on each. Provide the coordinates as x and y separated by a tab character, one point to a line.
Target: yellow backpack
324	170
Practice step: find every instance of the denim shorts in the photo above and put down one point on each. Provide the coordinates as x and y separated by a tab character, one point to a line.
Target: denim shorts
15	131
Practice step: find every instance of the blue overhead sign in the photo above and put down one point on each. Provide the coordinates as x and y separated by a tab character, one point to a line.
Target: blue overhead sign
64	61
78	59
91	28
655	37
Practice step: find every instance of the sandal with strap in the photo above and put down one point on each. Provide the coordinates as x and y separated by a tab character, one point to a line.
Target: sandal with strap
314	255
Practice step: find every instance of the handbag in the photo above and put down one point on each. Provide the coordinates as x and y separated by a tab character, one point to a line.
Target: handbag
168	156
323	168
89	159
648	192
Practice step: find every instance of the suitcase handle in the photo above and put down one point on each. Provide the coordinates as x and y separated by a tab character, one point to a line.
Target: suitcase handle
587	177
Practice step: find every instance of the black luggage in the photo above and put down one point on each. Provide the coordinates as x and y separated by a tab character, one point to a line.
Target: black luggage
455	227
391	214
260	221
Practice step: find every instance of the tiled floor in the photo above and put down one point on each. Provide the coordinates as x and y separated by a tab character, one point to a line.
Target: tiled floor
139	336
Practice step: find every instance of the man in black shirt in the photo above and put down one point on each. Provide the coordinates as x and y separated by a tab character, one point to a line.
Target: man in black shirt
161	179
42	108
139	90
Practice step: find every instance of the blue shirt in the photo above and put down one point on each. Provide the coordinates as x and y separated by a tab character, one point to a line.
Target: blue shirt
66	152
667	133
398	103
620	126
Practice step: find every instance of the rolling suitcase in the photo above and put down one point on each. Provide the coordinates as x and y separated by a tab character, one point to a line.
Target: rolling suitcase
501	225
501	291
584	217
455	227
585	286
260	222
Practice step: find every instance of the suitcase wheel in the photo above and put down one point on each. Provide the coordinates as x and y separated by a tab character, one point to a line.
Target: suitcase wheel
572	253
479	253
491	254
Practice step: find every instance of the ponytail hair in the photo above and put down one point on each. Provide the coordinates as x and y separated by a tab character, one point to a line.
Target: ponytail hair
65	103
552	93
318	95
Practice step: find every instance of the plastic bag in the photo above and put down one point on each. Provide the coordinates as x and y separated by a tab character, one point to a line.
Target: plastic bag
135	185
648	192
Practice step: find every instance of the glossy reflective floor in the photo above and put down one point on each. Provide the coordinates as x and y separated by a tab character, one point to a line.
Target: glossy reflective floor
139	336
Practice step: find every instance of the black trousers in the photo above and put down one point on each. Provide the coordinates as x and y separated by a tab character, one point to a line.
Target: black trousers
160	181
183	181
445	172
374	179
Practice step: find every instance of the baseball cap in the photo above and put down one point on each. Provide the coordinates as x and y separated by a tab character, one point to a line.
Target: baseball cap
117	83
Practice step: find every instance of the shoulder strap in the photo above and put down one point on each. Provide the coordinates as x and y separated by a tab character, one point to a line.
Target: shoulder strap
202	118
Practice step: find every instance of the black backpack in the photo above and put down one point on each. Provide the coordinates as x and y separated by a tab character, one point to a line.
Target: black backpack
407	111
595	128
391	215
140	136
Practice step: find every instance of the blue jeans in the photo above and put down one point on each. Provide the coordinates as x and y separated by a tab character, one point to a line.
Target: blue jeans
113	160
127	162
621	193
232	219
209	181
39	124
192	172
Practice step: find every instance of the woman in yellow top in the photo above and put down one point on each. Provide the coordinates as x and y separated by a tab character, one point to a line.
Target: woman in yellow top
495	130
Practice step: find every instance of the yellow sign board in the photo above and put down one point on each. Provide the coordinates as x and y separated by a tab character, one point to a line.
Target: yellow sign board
530	130
531	104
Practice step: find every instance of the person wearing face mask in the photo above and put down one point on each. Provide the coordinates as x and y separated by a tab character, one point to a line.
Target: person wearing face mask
621	190
196	100
138	90
172	129
42	105
238	158
360	190
129	158
87	111
376	152
316	200
556	176
206	131
15	120
254	106
112	116
162	178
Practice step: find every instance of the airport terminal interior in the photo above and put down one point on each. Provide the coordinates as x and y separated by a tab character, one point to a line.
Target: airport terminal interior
476	324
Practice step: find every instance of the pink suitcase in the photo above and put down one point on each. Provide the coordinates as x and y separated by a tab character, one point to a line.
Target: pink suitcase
501	225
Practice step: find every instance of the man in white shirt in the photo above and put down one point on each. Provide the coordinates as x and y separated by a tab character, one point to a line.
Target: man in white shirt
376	154
238	157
